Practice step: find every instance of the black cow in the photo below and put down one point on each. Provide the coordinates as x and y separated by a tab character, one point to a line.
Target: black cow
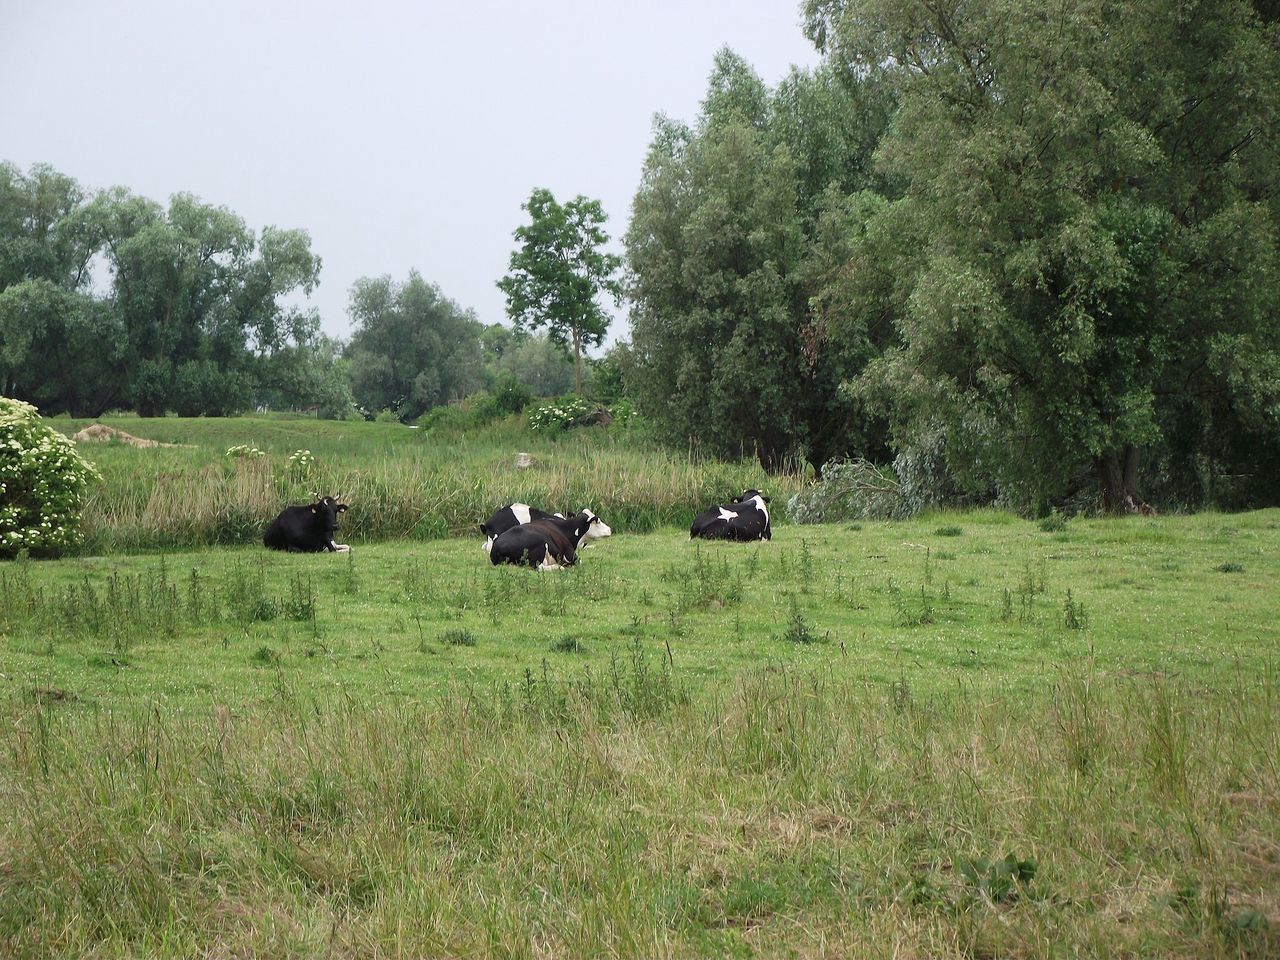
307	529
746	518
551	543
517	514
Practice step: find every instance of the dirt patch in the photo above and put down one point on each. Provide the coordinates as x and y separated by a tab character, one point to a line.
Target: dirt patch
101	433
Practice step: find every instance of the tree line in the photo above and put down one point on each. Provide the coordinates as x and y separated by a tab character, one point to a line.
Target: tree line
111	301
1026	252
1015	252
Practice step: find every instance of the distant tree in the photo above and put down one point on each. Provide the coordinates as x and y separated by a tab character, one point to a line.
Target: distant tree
557	275
193	285
310	373
195	299
413	348
540	365
496	340
59	348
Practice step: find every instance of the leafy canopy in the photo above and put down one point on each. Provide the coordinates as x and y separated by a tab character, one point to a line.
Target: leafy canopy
559	271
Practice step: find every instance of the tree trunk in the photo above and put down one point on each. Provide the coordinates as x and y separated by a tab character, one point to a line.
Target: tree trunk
577	363
1118	482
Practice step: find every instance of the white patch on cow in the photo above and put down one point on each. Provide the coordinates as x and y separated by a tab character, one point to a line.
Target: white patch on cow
759	502
521	511
548	561
727	514
488	544
341	548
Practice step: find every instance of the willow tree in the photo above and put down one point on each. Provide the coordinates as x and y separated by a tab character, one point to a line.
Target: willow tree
1090	210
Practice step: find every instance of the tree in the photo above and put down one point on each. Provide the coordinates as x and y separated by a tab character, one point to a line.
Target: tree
736	233
557	275
413	348
1084	262
538	364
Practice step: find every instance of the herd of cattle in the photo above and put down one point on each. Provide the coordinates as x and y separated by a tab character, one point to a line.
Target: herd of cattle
521	534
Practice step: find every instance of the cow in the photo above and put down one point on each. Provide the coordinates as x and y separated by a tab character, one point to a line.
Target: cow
307	529
512	515
550	543
516	514
746	518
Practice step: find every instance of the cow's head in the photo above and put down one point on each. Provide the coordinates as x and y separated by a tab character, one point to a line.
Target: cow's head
326	510
597	529
749	494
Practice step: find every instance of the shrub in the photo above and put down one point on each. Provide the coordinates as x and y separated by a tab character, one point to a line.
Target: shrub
43	483
850	490
562	414
508	395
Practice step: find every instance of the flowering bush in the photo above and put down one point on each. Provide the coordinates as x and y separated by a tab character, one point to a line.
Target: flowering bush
300	463
561	414
43	482
244	451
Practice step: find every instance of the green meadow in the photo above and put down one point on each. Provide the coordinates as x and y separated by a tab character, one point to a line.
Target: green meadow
957	736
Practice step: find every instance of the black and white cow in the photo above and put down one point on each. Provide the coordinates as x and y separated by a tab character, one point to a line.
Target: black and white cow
308	529
550	543
747	518
517	514
512	515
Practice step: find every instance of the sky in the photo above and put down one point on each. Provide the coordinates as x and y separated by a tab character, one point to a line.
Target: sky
399	135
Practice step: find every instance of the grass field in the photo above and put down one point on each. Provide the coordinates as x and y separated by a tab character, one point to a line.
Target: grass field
407	484
958	736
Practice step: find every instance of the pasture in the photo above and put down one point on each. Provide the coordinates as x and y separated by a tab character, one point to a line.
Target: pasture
958	736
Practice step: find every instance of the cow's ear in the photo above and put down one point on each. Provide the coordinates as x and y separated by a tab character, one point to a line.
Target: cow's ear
766	499
313	508
342	508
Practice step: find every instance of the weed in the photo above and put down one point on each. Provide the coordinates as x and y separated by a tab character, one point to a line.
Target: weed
798	629
247	596
1229	567
265	655
458	638
996	881
300	605
568	644
1053	523
948	532
1073	614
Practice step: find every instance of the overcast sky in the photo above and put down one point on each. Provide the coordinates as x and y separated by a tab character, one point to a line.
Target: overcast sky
399	135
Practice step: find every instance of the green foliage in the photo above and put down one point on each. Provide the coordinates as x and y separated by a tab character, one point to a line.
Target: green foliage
538	364
43	483
562	414
850	490
738	236
193	318
1088	233
996	881
413	348
458	638
559	271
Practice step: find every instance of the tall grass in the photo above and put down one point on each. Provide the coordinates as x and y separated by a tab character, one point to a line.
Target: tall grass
578	815
401	484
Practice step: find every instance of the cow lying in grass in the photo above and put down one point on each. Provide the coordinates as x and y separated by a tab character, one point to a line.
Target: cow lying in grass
518	514
512	515
551	543
308	529
747	518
